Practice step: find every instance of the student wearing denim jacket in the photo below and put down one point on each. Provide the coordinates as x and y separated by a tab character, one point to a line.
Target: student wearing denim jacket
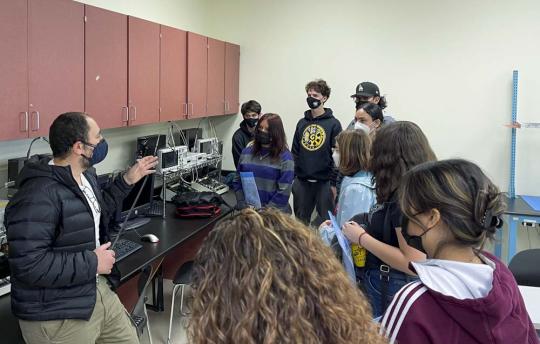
351	156
357	195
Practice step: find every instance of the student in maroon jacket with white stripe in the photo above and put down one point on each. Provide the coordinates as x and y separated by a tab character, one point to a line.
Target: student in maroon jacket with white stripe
464	295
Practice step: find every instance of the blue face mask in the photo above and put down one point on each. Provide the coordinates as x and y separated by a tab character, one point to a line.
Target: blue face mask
99	153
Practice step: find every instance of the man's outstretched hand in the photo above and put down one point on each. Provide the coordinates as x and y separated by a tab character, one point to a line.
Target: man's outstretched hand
142	167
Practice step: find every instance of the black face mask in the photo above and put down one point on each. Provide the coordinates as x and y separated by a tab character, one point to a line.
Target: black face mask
414	241
262	137
313	103
251	122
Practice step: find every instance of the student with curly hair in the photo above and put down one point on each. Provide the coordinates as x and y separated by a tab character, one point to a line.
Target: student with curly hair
263	277
464	295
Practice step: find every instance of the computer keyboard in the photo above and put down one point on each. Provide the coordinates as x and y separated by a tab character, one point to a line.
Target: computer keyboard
5	286
156	209
124	248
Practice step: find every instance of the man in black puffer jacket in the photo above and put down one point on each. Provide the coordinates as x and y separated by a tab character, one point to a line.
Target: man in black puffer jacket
58	240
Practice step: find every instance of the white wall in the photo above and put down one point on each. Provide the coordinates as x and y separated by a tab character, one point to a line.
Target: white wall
185	14
446	65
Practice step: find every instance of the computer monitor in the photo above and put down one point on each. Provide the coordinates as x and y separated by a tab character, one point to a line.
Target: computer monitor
192	134
208	146
143	203
146	145
167	160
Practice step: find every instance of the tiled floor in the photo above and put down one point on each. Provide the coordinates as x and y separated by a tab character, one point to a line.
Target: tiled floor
159	321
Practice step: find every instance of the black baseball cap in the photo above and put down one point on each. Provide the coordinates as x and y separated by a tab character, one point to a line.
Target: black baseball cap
366	89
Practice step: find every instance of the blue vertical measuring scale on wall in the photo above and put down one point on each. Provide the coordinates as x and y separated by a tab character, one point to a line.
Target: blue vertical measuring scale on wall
512	226
520	209
512	188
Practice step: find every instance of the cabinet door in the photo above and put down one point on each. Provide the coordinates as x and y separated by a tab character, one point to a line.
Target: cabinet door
143	73
106	67
216	78
173	80
232	78
13	69
55	61
197	74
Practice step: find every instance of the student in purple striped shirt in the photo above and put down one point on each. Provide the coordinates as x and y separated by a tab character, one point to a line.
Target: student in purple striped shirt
271	163
464	295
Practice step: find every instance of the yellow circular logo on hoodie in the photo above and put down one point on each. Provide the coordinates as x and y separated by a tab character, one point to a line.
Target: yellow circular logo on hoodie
313	137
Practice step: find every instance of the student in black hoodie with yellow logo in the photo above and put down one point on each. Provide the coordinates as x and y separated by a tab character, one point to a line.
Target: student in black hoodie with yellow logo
314	139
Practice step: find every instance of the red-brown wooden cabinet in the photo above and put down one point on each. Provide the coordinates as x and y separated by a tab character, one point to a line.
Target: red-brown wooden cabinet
216	78
143	80
197	75
106	67
13	70
232	78
55	61
41	64
60	55
173	74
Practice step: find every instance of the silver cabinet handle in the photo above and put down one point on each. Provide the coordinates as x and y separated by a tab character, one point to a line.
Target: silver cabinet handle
191	110
184	110
35	120
25	128
134	113
126	118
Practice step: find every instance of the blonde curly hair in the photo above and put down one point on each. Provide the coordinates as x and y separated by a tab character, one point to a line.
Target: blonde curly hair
263	277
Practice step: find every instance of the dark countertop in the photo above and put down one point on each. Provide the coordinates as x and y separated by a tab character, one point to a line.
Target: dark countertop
171	233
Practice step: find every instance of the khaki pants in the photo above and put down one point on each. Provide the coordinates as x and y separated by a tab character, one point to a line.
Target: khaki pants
109	323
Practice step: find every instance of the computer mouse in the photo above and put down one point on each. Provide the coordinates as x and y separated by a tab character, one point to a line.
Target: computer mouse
149	238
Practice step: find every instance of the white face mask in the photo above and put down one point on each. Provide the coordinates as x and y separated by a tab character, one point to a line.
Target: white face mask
335	156
362	126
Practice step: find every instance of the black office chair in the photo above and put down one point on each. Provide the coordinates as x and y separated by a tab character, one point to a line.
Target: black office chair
524	267
181	280
139	316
